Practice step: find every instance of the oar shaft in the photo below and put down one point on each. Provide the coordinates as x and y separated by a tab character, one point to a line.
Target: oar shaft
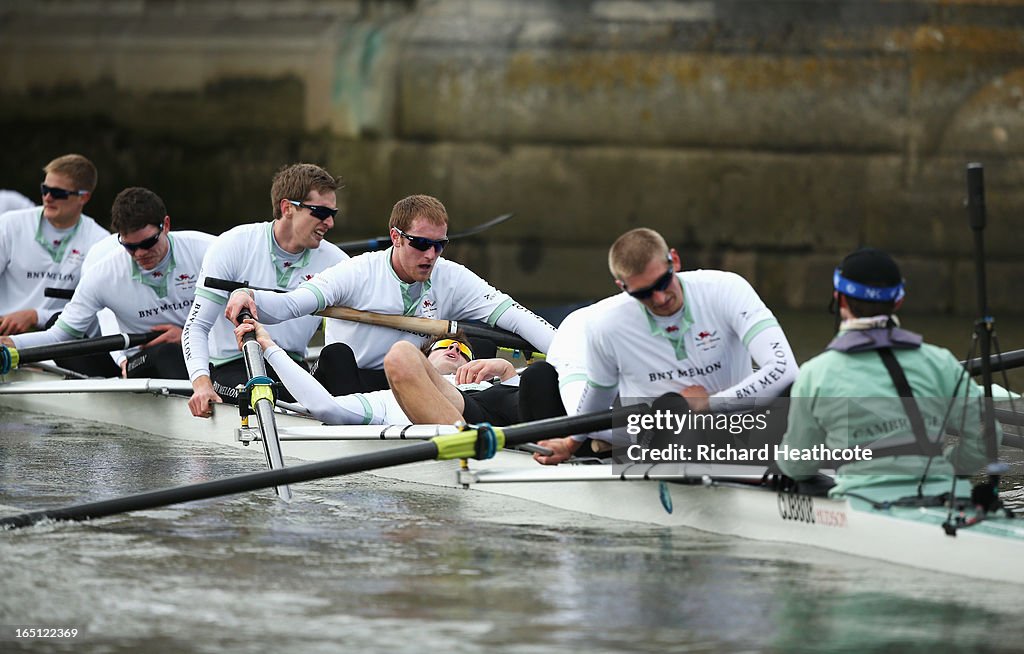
425	451
88	346
230	486
263	407
583	423
1005	361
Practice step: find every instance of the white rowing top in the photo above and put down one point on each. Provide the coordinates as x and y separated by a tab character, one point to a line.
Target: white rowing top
250	254
709	342
140	299
568	354
369	283
35	256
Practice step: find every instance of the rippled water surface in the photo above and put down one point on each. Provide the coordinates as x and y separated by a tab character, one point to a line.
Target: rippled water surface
365	564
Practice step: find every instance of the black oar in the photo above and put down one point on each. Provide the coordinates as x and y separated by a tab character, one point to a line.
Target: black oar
59	293
11	358
263	403
384	241
1005	361
412	324
468	444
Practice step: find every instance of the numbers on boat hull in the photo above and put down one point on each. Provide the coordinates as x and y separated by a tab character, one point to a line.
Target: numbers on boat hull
796	507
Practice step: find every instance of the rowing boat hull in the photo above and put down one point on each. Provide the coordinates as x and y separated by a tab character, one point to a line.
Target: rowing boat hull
914	537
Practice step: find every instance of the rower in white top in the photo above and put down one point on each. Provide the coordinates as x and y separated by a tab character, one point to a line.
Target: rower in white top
410	278
149	284
279	254
45	246
691	333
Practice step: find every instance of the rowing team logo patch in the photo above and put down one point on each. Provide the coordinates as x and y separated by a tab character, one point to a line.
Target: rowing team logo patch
184	281
706	341
428	308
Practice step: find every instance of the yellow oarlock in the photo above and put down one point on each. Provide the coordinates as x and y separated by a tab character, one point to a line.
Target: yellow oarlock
463	444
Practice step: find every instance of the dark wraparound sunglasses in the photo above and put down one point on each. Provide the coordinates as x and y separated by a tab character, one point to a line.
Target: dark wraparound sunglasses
58	193
142	245
422	243
319	212
659	286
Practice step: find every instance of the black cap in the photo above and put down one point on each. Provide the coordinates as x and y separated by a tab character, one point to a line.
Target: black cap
869	274
871	267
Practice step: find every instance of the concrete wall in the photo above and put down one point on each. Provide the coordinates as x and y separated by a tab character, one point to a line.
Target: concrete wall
768	137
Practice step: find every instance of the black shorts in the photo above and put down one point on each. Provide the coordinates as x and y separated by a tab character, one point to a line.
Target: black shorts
498	405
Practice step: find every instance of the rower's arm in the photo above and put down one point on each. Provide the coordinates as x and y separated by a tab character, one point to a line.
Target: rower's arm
520	320
776	371
278	307
341	410
195	335
34	339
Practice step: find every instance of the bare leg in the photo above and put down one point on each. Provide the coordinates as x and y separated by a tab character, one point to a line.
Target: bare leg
425	396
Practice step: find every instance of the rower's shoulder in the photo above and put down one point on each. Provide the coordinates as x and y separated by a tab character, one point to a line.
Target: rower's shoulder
93	230
193	238
330	252
20	218
609	313
714	279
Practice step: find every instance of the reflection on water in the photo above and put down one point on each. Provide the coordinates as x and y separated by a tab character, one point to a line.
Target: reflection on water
363	564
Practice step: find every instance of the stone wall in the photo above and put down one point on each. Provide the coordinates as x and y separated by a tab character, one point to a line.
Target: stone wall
764	137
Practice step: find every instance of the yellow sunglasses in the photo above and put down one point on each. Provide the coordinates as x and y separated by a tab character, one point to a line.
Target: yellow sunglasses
446	343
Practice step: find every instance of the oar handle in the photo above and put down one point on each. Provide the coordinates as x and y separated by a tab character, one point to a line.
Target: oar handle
90	346
248	337
59	293
229	286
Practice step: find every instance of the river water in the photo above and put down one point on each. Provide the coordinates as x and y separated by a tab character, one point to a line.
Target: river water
364	564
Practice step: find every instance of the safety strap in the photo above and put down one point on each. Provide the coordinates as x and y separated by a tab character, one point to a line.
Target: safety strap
923	446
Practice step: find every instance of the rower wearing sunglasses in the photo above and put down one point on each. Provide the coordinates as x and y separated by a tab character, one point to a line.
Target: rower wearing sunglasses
281	254
690	334
148	283
410	278
45	246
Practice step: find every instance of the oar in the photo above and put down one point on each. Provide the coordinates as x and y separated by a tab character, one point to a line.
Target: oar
11	358
59	293
384	241
1005	361
474	443
413	324
263	403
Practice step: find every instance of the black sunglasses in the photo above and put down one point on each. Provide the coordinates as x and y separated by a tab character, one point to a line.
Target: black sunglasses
142	245
658	286
58	193
319	212
422	243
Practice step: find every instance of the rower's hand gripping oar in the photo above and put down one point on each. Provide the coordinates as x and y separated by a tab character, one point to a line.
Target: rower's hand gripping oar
412	324
261	394
11	358
473	443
